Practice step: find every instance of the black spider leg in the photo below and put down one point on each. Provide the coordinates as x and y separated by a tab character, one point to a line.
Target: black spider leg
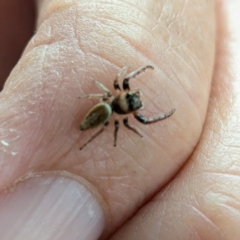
116	124
133	75
115	83
95	135
126	124
154	119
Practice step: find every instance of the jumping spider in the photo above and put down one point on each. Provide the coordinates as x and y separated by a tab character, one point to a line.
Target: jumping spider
123	103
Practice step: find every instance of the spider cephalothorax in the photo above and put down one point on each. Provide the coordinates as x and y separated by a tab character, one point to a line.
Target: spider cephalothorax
123	103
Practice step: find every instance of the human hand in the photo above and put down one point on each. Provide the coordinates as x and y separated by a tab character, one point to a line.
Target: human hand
180	181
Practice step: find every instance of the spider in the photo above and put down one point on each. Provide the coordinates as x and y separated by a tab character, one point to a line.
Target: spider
125	102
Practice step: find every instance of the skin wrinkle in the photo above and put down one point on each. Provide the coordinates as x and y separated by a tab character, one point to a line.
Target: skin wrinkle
144	170
62	156
97	3
136	162
140	194
225	198
43	56
137	50
133	23
187	95
179	56
178	45
40	141
159	17
117	204
118	201
196	234
141	10
229	208
111	20
51	158
147	17
131	137
184	8
108	165
131	43
194	61
200	214
159	225
37	42
224	146
207	219
116	178
229	175
167	155
122	184
145	154
104	61
81	48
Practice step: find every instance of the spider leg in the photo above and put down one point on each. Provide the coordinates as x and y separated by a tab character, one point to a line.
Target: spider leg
154	119
95	135
133	75
94	95
116	86
116	124
142	107
126	124
105	89
120	73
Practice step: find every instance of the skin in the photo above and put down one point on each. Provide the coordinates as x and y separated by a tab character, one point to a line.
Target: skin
188	187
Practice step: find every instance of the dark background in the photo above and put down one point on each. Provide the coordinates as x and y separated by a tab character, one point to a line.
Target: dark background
17	23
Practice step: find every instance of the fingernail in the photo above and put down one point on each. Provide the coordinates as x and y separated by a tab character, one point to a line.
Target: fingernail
50	208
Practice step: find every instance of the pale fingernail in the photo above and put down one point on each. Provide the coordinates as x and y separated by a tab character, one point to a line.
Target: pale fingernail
50	208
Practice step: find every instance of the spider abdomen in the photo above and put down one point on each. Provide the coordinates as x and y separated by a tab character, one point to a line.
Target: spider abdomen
99	114
126	103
